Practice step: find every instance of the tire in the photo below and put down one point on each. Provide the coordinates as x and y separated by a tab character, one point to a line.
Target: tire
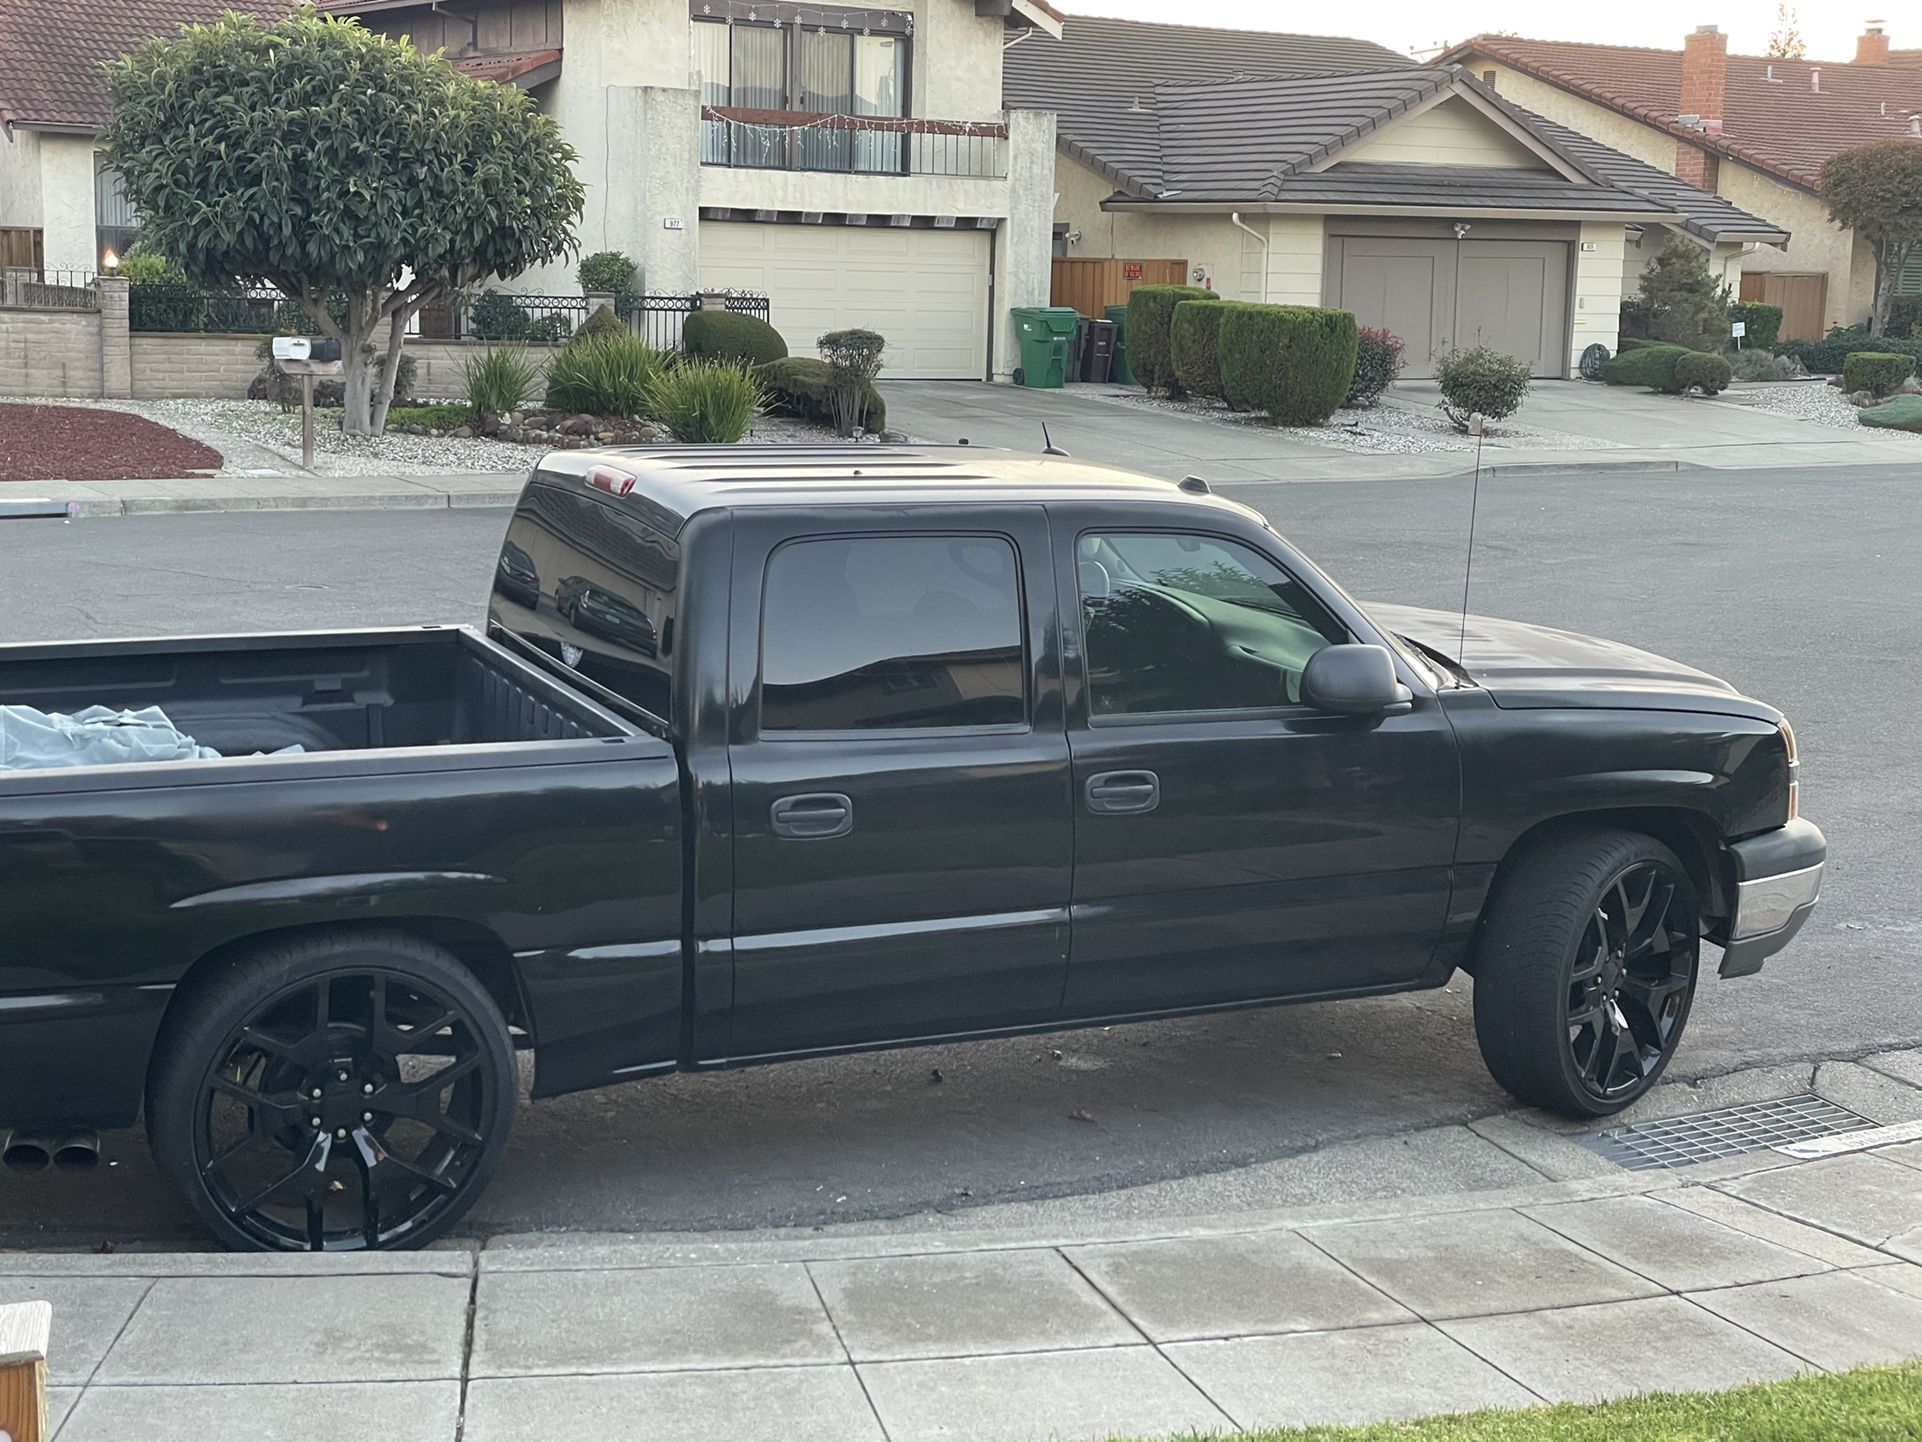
1585	971
416	1083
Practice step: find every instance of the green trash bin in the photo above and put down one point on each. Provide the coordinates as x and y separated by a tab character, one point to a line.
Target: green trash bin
1119	372
1044	333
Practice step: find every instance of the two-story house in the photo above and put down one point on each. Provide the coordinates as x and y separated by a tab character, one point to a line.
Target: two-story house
853	163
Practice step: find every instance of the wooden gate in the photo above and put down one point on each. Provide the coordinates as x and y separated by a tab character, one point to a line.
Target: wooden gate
1803	299
20	248
1091	286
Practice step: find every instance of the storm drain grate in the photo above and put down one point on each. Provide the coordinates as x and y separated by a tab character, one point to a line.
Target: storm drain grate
1707	1136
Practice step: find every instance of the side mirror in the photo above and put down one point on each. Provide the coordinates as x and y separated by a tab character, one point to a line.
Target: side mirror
1354	681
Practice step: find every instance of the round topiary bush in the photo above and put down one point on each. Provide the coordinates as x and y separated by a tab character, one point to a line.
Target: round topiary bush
608	272
724	336
1647	365
1378	360
1293	362
1877	372
1482	382
1151	313
1703	371
1194	346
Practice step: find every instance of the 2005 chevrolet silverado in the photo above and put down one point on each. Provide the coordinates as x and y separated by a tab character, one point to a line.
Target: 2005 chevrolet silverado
774	753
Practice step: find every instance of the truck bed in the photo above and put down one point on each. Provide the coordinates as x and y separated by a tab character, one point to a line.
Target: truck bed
324	691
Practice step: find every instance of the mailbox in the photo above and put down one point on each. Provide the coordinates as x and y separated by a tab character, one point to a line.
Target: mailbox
300	355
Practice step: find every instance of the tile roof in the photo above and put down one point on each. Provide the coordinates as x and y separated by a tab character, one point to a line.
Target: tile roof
1782	124
51	52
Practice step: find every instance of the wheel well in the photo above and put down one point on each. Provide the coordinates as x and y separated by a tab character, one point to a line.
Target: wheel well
1689	834
478	949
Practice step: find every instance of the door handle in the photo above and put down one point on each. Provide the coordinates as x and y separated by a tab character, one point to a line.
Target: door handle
816	816
1116	793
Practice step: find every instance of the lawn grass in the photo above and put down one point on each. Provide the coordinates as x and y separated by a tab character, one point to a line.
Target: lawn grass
440	418
1871	1404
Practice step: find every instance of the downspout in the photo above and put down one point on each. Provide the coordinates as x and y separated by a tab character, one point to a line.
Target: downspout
1234	219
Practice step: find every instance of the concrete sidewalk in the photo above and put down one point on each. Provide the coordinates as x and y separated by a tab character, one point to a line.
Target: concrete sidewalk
269	493
1754	1267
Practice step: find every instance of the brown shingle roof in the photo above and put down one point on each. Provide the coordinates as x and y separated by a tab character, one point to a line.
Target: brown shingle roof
1781	124
51	52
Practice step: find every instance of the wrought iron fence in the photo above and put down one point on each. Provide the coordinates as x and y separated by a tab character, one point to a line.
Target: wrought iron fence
501	315
657	319
49	289
854	144
177	306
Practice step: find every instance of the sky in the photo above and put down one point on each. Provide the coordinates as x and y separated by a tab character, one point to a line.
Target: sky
1426	25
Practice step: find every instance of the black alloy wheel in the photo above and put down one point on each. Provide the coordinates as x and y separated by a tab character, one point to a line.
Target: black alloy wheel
358	1105
1585	970
1631	979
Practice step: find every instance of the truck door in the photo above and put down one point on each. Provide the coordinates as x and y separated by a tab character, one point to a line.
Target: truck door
902	821
1232	843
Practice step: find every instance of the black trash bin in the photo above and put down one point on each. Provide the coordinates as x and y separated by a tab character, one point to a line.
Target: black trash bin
1098	345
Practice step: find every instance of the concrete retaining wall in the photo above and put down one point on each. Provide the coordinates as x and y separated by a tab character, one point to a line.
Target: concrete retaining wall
49	352
440	366
216	367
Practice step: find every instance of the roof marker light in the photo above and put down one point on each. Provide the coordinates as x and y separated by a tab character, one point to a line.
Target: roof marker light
614	481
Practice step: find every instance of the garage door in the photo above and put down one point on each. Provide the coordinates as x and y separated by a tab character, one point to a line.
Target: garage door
1438	295
926	291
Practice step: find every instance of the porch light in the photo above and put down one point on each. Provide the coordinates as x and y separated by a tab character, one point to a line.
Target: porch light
110	261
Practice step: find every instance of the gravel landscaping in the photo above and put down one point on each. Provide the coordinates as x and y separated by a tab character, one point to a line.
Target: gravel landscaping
1814	401
258	438
73	443
1393	426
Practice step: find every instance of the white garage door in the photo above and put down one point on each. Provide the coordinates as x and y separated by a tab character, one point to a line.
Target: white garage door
925	291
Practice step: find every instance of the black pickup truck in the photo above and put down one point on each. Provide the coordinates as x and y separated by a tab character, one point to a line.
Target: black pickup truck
770	753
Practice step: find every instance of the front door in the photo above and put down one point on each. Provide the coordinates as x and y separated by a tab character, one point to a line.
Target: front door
903	834
1232	843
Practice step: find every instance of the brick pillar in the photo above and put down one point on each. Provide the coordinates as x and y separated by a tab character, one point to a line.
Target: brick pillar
116	348
1704	75
1872	47
1700	168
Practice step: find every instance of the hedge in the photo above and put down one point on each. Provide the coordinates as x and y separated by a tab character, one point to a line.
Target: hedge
799	386
1764	323
1651	365
1151	313
1905	316
1293	362
1194	346
1825	356
724	336
1903	413
1703	371
1878	373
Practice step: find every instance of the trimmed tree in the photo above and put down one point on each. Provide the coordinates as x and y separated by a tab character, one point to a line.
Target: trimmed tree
361	178
1194	346
1686	304
1151	313
1876	191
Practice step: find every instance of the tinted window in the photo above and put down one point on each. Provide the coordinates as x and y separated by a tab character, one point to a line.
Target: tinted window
1191	623
594	587
884	632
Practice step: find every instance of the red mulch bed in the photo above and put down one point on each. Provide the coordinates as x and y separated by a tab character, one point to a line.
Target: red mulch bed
78	443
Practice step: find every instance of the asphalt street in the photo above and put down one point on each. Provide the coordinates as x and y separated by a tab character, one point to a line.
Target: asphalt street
1800	586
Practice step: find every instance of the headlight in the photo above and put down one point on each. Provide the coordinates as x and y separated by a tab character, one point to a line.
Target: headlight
1787	733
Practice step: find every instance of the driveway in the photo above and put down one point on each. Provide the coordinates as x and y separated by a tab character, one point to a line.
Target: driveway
1593	426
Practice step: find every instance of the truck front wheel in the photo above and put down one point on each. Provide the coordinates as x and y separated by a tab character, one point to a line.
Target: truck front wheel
342	1091
1585	970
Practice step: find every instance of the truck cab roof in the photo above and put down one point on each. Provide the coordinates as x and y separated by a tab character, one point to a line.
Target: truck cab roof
671	484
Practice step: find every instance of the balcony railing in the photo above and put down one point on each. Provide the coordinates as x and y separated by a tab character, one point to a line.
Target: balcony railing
852	144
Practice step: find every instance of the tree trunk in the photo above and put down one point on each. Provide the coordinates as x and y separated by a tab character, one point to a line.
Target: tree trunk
1886	267
357	382
383	398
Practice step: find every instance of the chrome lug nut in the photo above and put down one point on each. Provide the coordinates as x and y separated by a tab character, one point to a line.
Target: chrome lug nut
367	1116
315	1093
342	1075
313	1121
366	1089
341	1135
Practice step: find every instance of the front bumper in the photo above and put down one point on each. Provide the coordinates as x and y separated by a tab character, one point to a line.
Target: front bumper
1778	877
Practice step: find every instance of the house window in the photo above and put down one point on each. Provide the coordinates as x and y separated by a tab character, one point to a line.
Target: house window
116	225
821	67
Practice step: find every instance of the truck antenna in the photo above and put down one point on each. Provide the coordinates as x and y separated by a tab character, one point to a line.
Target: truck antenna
1468	568
1048	447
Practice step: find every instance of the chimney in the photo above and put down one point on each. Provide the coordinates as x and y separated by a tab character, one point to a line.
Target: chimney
1815	81
1704	86
1872	46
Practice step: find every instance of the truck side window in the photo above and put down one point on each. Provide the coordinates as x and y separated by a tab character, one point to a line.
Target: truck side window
890	632
1193	623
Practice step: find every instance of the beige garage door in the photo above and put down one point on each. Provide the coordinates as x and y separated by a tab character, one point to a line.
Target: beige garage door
1437	295
926	291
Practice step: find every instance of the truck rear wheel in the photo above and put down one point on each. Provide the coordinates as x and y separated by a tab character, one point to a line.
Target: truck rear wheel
343	1091
1585	971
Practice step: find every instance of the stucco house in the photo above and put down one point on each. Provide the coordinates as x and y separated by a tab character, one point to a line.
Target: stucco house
854	163
1318	171
1753	129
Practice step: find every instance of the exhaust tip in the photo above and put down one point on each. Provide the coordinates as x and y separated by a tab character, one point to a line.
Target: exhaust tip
25	1152
77	1153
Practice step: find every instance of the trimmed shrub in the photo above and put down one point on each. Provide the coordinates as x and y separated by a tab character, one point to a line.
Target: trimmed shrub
602	322
1825	356
605	375
1903	413
1630	343
1650	365
802	387
1634	320
1905	316
706	402
1378	360
854	360
1704	372
1878	373
607	272
495	315
1292	362
1761	365
554	328
1151	314
500	380
434	418
1764	323
721	335
1194	346
1481	382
